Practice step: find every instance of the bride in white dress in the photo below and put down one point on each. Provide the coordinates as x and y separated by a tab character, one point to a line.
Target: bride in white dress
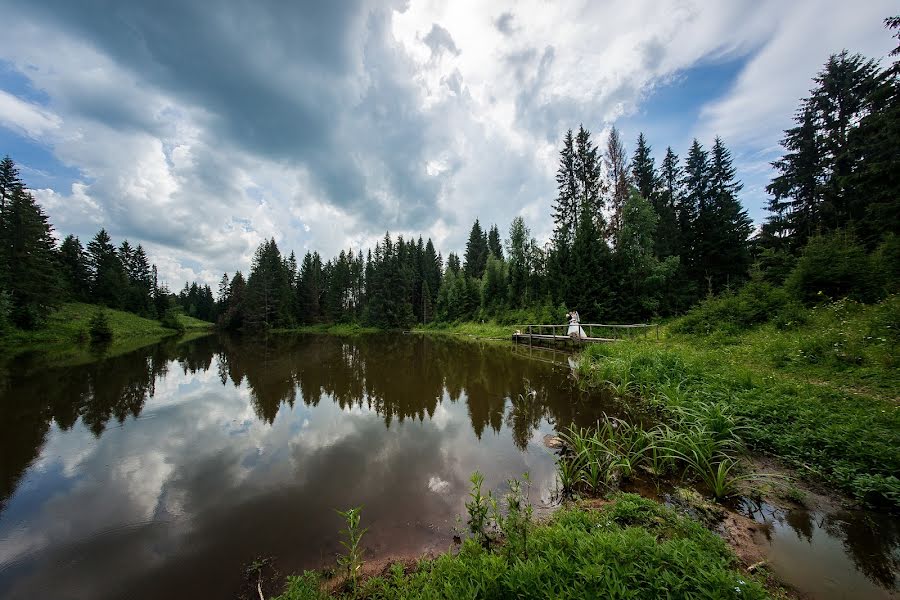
575	329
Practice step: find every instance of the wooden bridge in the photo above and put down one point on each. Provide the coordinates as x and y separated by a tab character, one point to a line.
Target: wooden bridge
594	333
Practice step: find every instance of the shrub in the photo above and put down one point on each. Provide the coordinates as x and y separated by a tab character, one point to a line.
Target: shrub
754	303
170	320
832	267
99	328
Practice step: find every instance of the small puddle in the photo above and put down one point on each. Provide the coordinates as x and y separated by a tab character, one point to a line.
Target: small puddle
830	555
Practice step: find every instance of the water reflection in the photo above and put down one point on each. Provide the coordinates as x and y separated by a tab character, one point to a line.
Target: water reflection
161	472
810	550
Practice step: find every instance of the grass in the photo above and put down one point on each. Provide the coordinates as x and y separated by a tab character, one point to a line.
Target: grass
65	338
487	330
835	416
194	324
630	548
700	445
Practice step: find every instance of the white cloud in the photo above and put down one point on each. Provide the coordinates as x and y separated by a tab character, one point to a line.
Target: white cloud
26	118
416	120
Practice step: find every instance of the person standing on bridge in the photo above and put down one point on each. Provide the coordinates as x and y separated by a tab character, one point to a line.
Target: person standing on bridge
575	330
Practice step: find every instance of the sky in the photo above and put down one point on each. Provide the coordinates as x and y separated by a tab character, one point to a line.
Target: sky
200	129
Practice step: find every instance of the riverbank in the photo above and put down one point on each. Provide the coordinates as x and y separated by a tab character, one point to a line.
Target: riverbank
822	396
489	330
630	547
329	328
64	340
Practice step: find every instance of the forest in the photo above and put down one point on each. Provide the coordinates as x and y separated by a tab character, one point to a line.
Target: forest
633	240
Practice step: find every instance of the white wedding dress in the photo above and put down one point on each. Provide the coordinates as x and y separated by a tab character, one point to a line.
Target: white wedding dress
575	329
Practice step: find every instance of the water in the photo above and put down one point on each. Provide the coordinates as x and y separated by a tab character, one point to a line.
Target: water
162	473
841	555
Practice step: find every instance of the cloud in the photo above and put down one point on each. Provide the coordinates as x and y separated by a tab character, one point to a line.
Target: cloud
200	133
440	41
25	117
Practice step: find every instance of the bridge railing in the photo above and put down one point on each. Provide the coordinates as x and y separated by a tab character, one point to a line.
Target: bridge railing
617	331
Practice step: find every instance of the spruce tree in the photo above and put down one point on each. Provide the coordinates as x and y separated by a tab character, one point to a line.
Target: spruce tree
565	207
453	263
476	252
10	182
728	250
694	216
797	190
28	256
589	185
108	279
667	242
74	269
495	247
616	161
643	172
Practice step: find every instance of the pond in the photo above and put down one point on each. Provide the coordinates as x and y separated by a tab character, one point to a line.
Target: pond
164	472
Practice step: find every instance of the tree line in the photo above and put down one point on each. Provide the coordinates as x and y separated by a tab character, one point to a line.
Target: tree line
36	274
632	240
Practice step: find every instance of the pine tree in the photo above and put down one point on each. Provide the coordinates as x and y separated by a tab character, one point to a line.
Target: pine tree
222	298
797	192
453	263
693	213
588	289
643	172
268	297
519	250
668	199
10	183
74	269
495	247
616	161
589	187
108	278
728	249
28	256
565	207
476	252
841	98
433	270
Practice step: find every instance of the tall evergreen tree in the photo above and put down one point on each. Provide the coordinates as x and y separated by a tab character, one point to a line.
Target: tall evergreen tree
476	252
453	263
616	162
268	297
727	246
694	212
28	256
668	199
108	279
565	207
797	190
10	182
643	172
589	185
74	269
495	247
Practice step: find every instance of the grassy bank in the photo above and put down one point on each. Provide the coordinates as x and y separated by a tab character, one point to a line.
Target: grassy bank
65	339
630	548
488	330
820	393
